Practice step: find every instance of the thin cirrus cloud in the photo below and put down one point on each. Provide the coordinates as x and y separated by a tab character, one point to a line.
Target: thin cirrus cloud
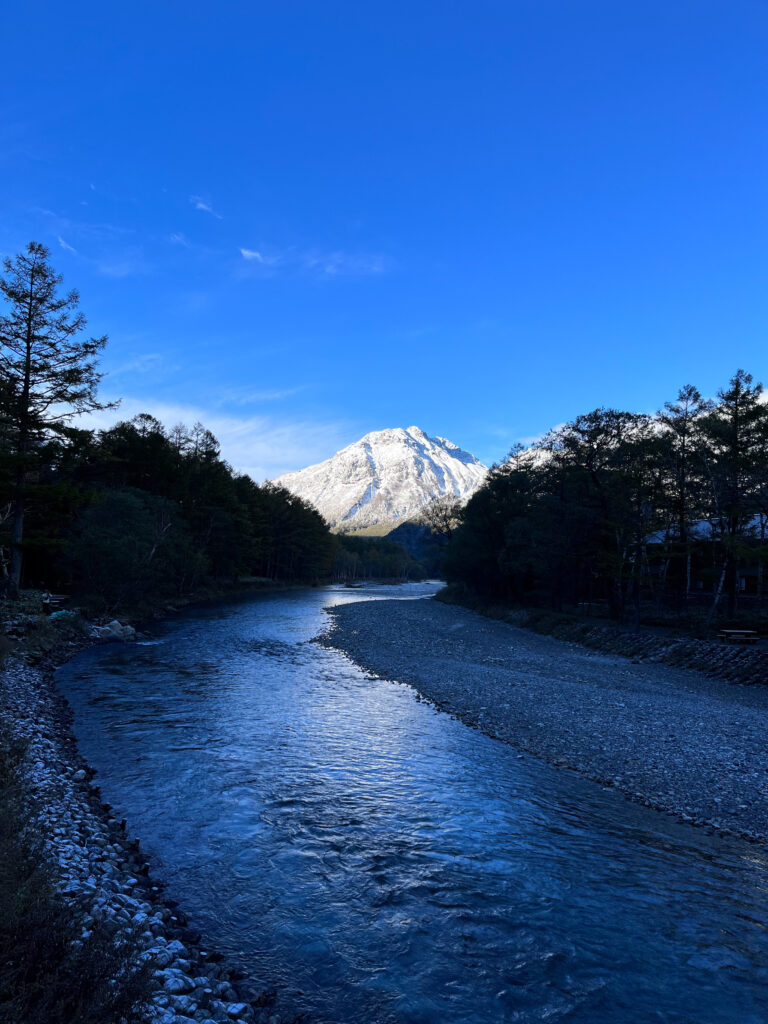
264	447
108	248
147	362
262	259
92	230
126	263
331	263
204	205
247	396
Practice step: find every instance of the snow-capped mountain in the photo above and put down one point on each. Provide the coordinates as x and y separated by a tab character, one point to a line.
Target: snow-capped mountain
385	478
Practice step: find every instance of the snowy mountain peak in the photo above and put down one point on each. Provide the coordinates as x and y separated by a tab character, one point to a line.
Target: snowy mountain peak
386	478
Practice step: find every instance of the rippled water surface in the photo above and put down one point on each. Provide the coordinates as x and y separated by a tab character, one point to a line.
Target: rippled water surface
381	862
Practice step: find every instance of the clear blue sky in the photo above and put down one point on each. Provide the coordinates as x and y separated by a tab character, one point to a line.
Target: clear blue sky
301	221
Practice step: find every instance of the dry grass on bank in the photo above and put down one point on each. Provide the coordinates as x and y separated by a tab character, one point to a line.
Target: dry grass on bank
49	972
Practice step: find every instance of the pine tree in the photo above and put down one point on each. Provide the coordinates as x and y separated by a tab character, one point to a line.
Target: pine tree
49	372
682	421
734	433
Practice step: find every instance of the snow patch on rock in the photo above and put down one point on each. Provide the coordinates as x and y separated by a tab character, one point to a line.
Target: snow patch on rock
386	478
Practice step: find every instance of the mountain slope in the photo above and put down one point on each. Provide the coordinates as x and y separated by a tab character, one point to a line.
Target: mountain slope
385	478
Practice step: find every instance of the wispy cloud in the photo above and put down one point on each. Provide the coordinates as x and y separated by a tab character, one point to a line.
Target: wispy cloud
128	265
246	396
322	263
19	139
262	446
99	230
263	259
195	248
332	264
200	203
148	362
108	248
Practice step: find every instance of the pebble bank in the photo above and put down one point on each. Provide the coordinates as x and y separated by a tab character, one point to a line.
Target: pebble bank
92	857
673	739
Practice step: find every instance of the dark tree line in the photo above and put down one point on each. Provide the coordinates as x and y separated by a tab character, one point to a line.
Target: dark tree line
128	515
374	558
628	511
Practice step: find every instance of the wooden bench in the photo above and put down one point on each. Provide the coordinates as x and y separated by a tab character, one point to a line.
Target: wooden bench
738	636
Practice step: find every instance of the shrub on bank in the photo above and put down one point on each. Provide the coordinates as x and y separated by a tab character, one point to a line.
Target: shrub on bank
30	634
52	969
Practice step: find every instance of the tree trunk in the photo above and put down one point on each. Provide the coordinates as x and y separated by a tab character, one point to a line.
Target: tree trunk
19	495
718	592
636	582
17	535
731	584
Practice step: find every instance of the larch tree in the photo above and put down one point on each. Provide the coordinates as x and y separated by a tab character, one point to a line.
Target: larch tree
49	374
442	515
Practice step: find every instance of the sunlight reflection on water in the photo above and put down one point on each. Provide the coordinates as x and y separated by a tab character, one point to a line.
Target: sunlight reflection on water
382	862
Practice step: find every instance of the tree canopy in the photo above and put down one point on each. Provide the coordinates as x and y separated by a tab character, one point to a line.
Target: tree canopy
619	509
135	513
49	373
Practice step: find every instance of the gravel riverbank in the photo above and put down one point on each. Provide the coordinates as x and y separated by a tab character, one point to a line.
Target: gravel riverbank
93	860
672	739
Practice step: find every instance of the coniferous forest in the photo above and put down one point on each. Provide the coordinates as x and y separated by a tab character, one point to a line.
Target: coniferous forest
632	515
141	513
132	515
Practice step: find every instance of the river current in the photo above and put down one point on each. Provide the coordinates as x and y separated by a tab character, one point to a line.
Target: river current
378	861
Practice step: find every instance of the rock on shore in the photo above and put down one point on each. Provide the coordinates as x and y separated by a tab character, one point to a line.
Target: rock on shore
91	858
669	738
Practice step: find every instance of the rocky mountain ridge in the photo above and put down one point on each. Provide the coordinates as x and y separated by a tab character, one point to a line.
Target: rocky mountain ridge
385	479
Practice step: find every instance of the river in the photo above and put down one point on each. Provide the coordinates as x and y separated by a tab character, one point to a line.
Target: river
378	861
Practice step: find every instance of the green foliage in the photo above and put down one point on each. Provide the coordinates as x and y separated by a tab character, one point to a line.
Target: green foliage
130	545
128	516
615	510
366	558
49	373
167	516
296	543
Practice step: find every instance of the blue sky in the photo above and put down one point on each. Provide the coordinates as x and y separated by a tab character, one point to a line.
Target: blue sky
300	222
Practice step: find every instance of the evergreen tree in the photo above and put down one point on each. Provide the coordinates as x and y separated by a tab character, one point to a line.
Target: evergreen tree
734	432
49	372
682	424
603	511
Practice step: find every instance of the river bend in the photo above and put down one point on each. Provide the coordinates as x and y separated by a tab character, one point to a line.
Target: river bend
380	862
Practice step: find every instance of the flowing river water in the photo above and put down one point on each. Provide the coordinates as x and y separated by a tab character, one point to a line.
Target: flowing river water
380	862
